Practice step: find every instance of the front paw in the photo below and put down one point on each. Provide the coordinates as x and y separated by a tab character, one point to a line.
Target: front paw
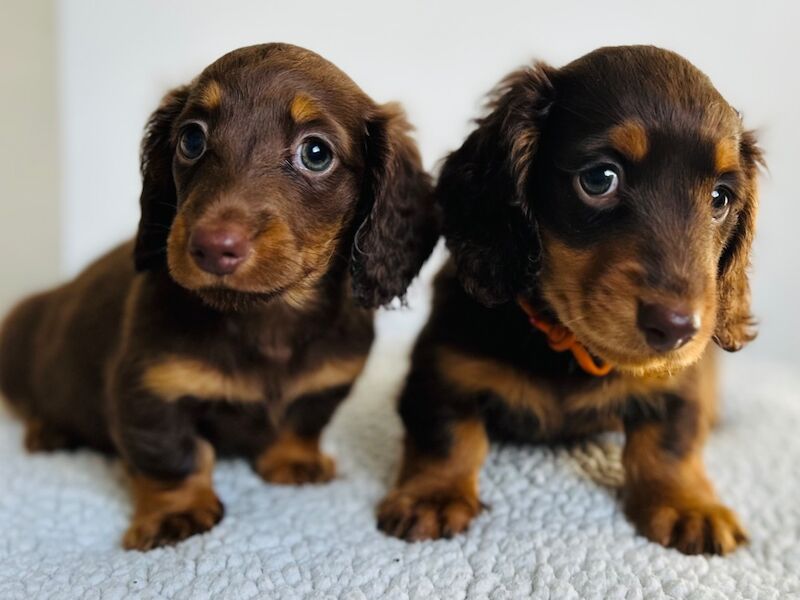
700	527
314	468
156	529
415	515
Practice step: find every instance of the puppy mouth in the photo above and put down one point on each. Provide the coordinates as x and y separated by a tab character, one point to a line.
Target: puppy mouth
641	360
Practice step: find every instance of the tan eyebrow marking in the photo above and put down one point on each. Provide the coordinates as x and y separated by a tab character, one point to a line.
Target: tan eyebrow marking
211	95
630	139
303	109
726	155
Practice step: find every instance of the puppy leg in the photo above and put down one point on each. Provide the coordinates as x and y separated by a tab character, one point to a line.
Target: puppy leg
170	467
295	457
667	494
168	512
436	494
42	437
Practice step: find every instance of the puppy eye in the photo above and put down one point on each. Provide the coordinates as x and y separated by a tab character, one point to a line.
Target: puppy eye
192	143
596	185
721	198
315	154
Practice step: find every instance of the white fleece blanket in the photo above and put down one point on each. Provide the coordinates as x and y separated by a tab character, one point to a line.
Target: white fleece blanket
554	529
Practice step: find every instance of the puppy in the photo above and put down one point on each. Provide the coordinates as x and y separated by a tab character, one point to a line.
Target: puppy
279	205
600	220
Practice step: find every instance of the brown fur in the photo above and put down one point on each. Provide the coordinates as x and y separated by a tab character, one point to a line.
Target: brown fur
148	355
519	226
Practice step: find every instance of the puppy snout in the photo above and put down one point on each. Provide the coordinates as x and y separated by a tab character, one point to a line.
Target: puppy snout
667	328
219	249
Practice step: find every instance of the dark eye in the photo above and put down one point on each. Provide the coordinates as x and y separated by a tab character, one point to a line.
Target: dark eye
720	202
192	143
315	154
597	185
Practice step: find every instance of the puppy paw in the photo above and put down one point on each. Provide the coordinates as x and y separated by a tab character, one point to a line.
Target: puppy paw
701	528
315	468
431	515
163	529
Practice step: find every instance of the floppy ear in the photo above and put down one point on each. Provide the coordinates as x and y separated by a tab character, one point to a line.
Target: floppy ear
735	323
488	219
398	225
158	200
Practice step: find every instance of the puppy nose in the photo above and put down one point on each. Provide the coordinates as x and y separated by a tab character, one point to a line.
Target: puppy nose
219	250
667	328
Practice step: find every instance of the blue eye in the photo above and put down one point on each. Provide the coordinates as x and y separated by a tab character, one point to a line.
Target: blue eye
192	143
315	154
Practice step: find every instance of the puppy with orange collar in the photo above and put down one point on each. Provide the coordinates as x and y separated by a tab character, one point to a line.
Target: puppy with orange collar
600	220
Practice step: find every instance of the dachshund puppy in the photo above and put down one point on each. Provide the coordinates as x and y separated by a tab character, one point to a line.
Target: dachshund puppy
600	220
279	205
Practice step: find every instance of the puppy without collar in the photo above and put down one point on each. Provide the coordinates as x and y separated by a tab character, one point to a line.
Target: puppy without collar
279	205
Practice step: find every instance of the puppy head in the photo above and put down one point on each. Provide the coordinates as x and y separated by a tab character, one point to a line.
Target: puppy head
272	170
621	190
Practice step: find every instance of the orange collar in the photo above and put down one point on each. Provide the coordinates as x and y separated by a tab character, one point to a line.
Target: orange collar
560	339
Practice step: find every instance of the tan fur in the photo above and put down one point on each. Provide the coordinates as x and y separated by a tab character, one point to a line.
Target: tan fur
211	95
303	109
330	374
726	156
176	377
189	506
596	297
479	374
437	497
630	140
292	460
670	499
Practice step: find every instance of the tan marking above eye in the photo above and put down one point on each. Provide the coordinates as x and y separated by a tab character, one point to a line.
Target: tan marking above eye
330	374
726	155
304	108
211	95
630	139
176	377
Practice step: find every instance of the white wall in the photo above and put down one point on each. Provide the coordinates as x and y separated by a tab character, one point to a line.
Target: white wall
30	227
439	58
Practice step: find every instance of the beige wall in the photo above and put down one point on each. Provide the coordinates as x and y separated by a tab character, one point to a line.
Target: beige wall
29	149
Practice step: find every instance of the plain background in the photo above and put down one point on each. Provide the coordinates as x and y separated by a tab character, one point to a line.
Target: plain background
79	79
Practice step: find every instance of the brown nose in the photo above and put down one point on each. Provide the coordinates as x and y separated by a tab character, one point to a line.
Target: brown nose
667	328
219	249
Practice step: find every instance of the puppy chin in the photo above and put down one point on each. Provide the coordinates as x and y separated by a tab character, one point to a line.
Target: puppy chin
226	299
218	292
648	363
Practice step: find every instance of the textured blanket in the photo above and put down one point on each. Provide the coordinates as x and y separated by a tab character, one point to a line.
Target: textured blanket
554	529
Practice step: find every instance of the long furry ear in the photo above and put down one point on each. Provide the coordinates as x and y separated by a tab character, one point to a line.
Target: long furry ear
735	323
158	200
397	221
488	221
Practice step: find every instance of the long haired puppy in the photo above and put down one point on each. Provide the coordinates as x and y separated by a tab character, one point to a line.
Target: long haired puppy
600	220
279	205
